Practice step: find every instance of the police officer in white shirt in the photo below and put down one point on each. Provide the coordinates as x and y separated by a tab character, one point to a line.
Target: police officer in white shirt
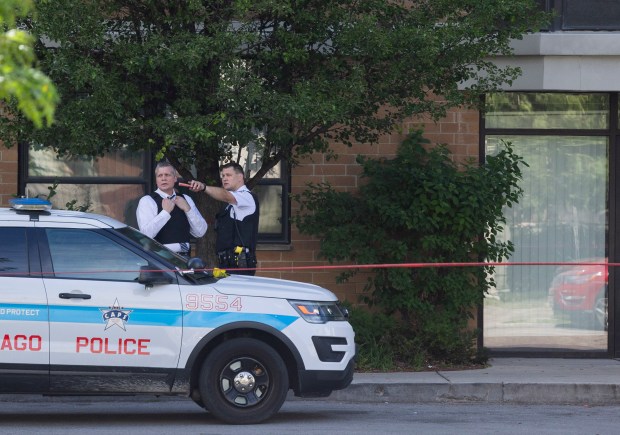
169	218
237	221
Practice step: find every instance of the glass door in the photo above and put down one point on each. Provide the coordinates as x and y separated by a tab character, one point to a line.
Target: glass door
561	219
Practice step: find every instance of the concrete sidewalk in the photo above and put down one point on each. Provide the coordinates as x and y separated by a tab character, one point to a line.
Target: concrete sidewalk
506	380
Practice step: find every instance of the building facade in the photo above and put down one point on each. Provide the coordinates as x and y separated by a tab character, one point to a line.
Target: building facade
562	115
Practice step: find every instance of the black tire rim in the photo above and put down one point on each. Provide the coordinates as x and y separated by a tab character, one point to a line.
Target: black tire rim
244	382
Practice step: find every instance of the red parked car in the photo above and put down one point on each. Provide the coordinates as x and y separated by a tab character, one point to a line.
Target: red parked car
581	292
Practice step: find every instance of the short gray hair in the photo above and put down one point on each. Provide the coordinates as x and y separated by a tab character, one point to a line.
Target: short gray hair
165	164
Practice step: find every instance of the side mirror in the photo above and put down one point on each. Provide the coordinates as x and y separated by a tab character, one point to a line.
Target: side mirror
150	277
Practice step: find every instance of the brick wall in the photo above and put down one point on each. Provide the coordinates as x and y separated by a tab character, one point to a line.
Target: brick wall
459	129
8	174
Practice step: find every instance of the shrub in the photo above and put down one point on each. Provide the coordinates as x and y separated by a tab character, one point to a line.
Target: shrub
419	207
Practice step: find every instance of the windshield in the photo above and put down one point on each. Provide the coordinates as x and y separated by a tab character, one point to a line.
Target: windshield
153	246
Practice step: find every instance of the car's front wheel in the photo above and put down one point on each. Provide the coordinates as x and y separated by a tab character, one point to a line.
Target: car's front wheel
600	311
243	381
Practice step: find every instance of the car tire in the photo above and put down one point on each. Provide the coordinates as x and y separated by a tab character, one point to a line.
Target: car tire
243	381
599	311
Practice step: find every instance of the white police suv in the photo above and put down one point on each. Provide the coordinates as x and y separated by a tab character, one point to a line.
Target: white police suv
90	306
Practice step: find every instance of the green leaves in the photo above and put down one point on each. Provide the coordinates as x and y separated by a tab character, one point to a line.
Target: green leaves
190	80
295	75
21	84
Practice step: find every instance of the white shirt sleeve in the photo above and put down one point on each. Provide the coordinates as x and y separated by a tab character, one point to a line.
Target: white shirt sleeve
197	224
149	221
245	204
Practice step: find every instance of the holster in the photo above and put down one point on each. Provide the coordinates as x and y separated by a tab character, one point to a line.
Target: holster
228	259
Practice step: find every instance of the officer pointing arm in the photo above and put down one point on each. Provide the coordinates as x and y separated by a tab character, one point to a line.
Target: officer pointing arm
237	222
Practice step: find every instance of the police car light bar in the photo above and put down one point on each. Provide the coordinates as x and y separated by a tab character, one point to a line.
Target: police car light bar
30	204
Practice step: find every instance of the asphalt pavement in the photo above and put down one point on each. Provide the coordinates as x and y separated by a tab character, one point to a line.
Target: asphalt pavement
505	380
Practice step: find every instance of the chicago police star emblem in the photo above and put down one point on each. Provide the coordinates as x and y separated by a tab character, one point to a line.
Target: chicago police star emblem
115	315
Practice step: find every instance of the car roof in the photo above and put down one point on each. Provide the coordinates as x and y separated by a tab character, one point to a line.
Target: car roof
66	217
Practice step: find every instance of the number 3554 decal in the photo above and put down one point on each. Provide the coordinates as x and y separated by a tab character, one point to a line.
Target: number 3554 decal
207	302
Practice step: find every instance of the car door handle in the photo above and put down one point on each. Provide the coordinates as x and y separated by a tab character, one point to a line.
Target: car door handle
73	296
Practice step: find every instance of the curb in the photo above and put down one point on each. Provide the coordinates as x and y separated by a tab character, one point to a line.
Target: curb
517	393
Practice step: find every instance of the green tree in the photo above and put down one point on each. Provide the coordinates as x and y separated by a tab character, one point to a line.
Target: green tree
195	81
21	84
420	207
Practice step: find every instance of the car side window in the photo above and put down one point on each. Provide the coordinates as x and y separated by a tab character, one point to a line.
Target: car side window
14	252
89	255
